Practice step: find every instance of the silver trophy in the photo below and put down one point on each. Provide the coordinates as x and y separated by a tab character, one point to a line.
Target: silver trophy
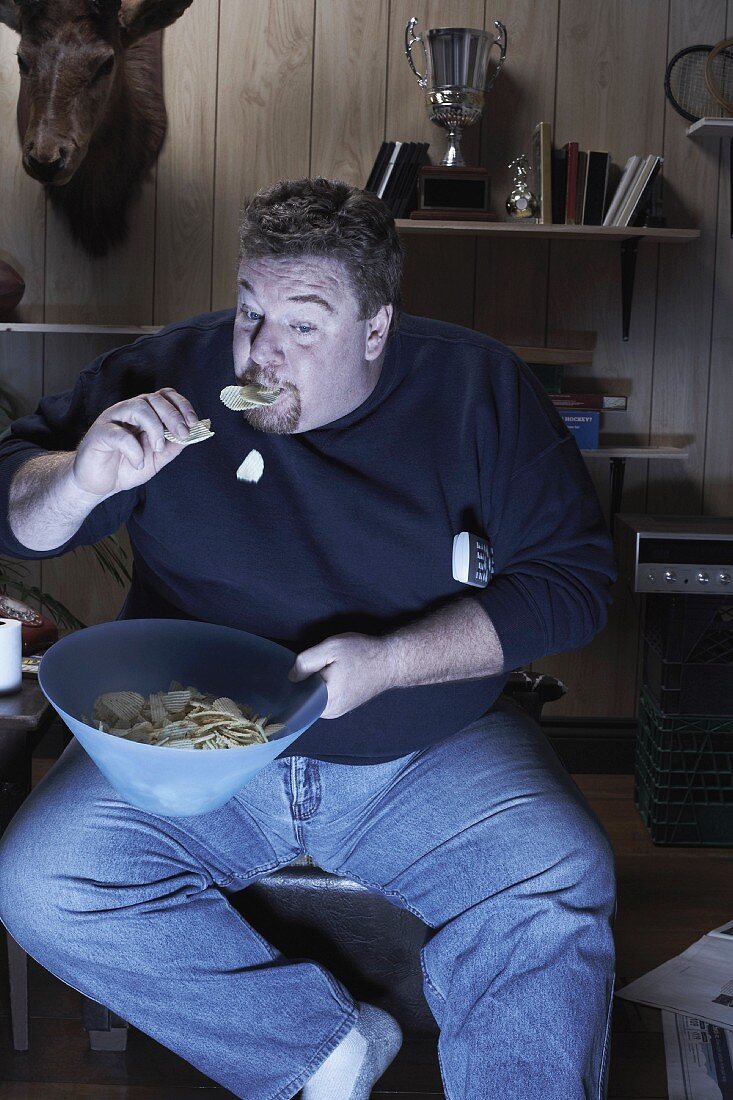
457	60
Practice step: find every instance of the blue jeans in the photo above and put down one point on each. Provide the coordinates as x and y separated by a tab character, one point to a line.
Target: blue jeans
484	836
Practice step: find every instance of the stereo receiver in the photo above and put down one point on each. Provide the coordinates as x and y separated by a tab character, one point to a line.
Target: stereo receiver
690	554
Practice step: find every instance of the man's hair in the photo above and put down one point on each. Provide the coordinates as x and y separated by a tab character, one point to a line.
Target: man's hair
320	217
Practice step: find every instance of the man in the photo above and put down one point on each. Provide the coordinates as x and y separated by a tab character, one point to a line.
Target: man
389	437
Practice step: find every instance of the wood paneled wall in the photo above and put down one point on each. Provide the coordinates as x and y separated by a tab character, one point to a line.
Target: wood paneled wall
257	91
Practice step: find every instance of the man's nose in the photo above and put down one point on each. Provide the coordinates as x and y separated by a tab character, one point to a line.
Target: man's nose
265	349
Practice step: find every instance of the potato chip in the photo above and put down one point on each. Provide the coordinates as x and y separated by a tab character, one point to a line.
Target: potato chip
251	396
197	434
182	718
227	706
157	708
252	468
125	705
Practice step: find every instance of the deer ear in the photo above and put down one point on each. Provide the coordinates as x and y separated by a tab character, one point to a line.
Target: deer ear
141	17
10	14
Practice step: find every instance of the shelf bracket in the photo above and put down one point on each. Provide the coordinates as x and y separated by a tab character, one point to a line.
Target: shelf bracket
618	468
629	249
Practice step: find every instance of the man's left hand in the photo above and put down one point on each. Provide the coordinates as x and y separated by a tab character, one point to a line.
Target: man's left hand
355	667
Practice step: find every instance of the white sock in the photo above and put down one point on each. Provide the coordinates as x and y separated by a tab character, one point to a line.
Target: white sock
360	1059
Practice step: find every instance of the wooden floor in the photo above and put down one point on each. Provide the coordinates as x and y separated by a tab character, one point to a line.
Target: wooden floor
668	897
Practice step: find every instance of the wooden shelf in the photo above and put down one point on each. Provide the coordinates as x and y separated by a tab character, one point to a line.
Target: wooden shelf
80	330
553	232
711	127
627	237
636	452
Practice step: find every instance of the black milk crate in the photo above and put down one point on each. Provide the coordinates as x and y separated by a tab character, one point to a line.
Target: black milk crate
688	653
684	777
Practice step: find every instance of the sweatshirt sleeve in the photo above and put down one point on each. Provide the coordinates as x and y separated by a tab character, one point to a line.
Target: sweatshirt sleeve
58	424
553	562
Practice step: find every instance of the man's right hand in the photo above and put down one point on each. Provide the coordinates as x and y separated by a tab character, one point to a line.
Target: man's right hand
125	446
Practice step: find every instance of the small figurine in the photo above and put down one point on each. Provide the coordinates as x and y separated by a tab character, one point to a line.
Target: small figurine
522	203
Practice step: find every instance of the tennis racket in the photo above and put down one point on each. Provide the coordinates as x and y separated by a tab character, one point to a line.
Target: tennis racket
685	85
719	74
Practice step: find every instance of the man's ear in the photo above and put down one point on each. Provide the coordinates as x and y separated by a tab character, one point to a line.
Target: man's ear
377	332
10	14
141	17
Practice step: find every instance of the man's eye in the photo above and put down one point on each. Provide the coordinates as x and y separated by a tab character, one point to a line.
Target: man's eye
305	330
250	315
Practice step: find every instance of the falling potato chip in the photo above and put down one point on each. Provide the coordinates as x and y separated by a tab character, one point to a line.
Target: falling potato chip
197	434
252	468
182	718
251	396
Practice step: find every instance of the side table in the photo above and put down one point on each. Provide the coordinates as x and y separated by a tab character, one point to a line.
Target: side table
24	718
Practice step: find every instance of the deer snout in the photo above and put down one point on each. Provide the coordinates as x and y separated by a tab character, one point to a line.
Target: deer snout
46	165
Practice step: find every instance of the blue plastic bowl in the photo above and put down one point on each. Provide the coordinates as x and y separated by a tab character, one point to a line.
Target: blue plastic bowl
144	655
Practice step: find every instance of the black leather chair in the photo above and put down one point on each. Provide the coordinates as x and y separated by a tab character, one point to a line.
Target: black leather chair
369	944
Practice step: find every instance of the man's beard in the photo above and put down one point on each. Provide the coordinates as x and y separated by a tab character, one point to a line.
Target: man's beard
272	418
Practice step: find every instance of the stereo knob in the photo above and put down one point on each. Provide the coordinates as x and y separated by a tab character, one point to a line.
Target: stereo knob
724	578
670	576
703	578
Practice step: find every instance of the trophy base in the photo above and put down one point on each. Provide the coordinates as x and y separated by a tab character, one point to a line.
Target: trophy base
444	190
454	215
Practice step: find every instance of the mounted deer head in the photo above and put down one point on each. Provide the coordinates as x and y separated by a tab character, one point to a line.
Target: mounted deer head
91	112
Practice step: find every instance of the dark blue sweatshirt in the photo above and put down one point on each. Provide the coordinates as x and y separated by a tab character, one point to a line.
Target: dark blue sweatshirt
351	526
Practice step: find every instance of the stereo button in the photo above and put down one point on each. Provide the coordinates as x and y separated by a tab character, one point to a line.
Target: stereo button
670	576
724	578
703	578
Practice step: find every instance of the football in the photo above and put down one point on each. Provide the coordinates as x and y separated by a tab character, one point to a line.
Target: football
12	289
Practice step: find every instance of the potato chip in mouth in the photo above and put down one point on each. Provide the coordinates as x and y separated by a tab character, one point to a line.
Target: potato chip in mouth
251	396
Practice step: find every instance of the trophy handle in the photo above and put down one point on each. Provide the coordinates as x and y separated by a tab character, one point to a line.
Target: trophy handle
411	40
499	41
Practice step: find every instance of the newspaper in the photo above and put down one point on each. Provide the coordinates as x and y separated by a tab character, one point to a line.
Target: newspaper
699	1058
699	982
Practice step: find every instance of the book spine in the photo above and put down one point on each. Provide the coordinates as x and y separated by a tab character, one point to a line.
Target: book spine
580	192
596	182
627	178
589	401
559	184
640	207
542	162
571	184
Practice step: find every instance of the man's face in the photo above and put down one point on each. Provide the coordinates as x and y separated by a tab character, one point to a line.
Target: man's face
298	327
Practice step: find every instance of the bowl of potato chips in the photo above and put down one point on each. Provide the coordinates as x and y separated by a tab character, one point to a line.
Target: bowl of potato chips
178	715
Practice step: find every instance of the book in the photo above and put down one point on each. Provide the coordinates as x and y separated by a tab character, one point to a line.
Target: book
571	183
585	426
596	183
580	186
639	205
634	192
388	187
542	164
627	177
549	375
559	184
388	169
407	199
380	162
589	400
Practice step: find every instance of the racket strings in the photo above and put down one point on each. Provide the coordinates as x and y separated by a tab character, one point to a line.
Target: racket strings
687	85
722	76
